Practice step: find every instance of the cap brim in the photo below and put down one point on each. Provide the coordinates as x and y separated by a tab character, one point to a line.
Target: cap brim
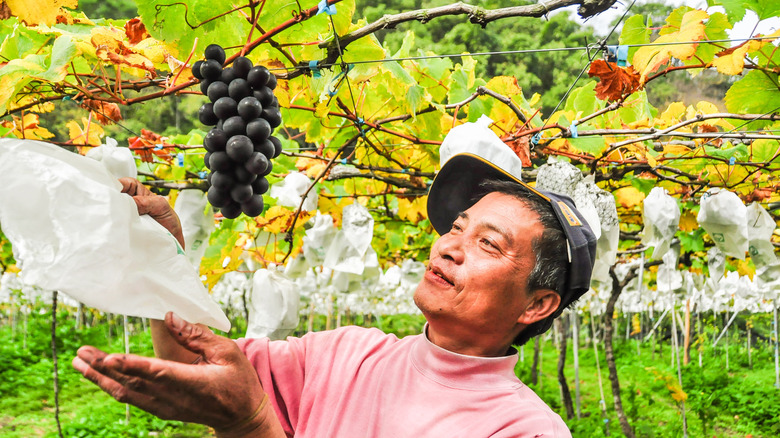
455	186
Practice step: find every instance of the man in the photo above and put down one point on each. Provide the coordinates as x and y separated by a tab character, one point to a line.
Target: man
508	261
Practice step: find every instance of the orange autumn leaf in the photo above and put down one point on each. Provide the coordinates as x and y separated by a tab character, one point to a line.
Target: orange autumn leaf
614	81
522	149
150	144
27	127
105	112
136	31
87	133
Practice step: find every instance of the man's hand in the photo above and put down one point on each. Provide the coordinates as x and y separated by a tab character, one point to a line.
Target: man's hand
154	205
222	390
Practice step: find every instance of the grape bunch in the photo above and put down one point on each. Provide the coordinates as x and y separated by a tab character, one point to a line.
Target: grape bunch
243	111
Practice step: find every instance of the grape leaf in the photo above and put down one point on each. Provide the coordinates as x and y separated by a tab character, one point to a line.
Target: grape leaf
614	81
634	32
649	58
757	92
40	11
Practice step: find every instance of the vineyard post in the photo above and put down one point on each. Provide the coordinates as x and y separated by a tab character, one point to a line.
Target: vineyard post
602	401
777	349
562	326
127	351
575	336
676	355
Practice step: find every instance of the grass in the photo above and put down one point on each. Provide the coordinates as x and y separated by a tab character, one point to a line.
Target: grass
738	402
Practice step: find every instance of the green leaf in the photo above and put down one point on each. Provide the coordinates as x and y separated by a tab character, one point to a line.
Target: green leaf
343	18
740	152
591	144
735	9
583	99
764	151
644	185
715	28
756	93
634	32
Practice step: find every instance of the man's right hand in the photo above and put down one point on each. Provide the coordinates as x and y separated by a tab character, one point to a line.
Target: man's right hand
154	205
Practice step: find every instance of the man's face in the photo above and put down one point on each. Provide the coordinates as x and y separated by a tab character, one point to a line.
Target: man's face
474	290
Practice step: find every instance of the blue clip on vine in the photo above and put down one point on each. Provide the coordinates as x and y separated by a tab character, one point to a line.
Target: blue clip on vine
323	6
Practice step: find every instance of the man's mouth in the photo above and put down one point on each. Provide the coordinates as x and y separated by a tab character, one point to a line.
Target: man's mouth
439	274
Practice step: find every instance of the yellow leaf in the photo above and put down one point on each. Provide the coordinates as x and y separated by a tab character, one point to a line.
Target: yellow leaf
534	99
636	325
40	11
88	133
154	50
676	149
672	114
27	127
688	221
647	59
316	170
744	269
414	210
732	63
629	197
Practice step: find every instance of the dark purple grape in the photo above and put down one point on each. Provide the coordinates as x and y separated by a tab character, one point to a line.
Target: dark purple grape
266	148
271	82
215	140
253	206
241	66
239	148
204	86
196	69
239	89
225	107
265	95
267	170
273	116
231	210
209	177
249	108
227	75
223	180
260	185
241	192
234	126
216	90
206	114
257	163
215	52
244	176
207	161
277	145
220	162
211	70
218	198
275	103
258	76
258	130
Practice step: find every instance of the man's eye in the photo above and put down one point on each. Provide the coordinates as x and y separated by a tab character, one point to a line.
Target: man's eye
455	227
489	243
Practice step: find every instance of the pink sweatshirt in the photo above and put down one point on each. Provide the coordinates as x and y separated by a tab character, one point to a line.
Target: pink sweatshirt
361	383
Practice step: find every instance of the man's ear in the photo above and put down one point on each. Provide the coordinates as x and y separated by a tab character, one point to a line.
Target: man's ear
544	303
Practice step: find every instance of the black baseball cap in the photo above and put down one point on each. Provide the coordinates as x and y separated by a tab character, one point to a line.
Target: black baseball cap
459	179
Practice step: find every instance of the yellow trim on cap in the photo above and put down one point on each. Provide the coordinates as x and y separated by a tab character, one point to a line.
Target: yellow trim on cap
571	218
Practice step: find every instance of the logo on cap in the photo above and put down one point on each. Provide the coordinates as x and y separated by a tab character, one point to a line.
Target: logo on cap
571	218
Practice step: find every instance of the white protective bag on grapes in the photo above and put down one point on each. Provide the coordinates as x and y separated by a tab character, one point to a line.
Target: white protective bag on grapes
724	217
72	230
273	305
761	226
118	161
197	223
661	217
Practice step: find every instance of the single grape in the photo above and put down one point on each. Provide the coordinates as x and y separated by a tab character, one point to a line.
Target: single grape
215	52
253	206
239	89
275	103
225	107
231	210
211	70
241	192
268	170
234	126
273	115
260	185
209	177
258	76
204	86
258	130
265	95
239	148
220	162
241	66
207	161
257	163
216	90
249	108
271	82
215	140
277	145
266	148
196	69
206	114
244	176
216	197
223	180
227	75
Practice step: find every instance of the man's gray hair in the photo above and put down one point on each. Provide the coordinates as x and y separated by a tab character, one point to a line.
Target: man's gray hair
551	268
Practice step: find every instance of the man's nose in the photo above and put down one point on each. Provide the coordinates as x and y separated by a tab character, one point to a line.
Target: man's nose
450	247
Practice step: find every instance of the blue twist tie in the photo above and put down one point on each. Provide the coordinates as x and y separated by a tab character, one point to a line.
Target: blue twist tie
323	6
573	130
344	161
622	55
158	146
332	93
180	159
359	120
315	70
202	174
535	139
732	160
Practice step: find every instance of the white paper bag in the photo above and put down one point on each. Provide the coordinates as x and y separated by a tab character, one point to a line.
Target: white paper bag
761	226
73	230
558	177
273	306
289	192
118	161
661	217
724	217
197	223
